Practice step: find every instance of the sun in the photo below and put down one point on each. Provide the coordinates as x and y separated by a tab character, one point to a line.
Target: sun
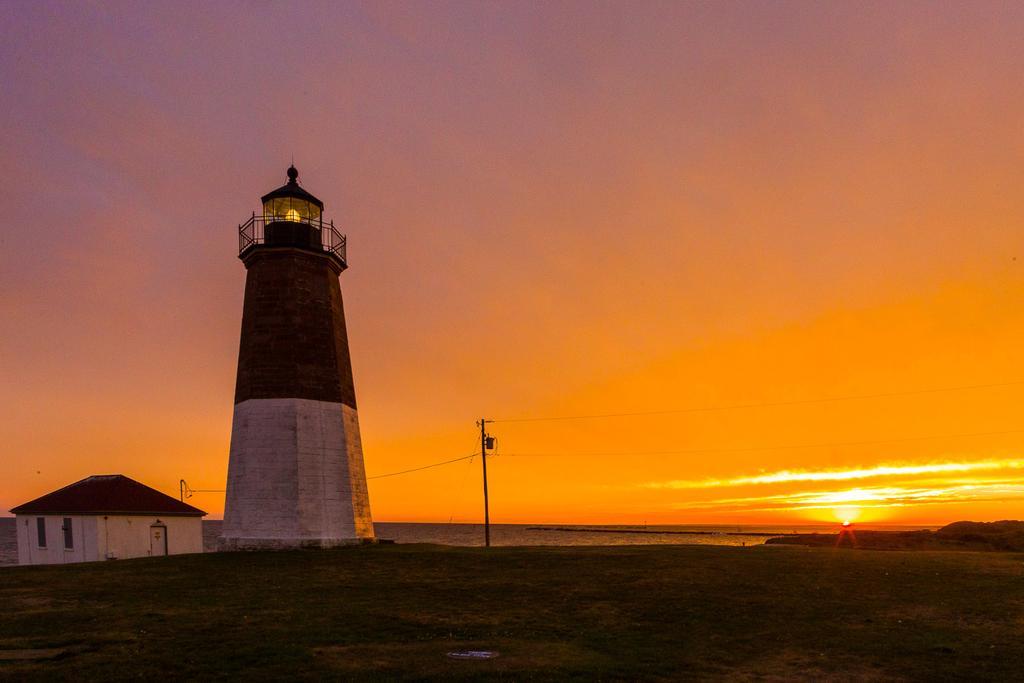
847	515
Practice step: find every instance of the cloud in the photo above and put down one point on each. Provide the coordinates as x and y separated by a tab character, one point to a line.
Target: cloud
792	476
962	491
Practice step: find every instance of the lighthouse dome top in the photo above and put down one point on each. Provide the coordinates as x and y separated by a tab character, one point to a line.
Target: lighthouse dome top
291	201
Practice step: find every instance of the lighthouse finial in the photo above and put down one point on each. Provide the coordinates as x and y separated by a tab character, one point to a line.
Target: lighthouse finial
293	173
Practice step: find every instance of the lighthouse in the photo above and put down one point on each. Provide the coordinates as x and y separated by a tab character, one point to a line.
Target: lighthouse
295	469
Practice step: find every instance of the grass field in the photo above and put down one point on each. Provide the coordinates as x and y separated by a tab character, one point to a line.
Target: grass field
639	612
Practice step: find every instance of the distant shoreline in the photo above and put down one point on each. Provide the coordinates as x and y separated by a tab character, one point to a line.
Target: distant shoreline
1002	536
588	530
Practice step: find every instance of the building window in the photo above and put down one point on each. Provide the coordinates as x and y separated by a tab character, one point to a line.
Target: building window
69	539
41	530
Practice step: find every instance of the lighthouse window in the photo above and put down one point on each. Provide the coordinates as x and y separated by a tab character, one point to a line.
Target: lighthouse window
41	531
291	209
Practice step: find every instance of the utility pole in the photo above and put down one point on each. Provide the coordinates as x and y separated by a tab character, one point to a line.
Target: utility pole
485	441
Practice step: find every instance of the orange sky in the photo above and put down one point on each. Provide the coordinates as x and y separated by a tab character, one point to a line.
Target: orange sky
555	209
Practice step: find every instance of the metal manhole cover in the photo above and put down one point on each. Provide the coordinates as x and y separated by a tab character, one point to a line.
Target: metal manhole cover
473	654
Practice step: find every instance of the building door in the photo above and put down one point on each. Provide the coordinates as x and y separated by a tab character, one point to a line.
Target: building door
157	540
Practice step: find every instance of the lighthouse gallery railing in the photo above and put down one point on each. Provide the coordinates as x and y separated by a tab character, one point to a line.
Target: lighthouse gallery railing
253	232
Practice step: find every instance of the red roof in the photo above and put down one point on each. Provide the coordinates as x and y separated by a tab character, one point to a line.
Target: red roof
107	494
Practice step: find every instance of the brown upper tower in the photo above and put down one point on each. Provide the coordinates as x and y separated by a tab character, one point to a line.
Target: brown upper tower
294	343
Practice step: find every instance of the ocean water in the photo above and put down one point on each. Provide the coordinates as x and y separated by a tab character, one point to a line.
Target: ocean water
529	534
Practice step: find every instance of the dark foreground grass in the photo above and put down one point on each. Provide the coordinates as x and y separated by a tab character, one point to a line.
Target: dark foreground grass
639	612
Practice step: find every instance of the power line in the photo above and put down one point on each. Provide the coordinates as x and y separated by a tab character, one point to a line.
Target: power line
425	467
765	448
774	404
697	451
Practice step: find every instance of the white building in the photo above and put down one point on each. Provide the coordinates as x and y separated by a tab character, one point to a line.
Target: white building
105	517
